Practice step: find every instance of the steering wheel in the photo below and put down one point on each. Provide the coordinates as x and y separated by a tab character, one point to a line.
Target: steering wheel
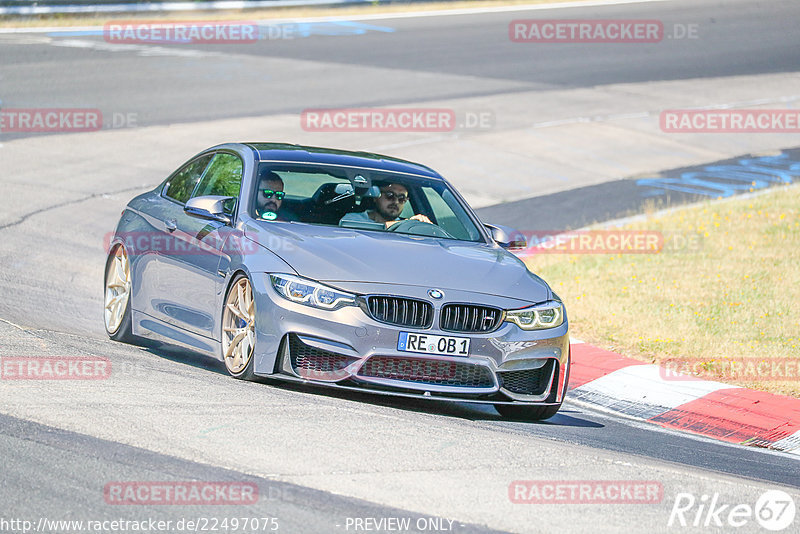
415	227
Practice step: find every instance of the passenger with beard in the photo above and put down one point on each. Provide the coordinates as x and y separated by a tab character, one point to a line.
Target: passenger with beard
270	197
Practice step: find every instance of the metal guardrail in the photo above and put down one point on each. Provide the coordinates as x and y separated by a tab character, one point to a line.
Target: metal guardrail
132	6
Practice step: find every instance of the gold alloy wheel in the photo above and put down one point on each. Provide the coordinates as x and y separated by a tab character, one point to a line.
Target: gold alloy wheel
239	327
118	290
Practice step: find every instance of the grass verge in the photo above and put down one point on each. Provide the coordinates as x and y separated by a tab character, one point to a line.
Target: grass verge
734	296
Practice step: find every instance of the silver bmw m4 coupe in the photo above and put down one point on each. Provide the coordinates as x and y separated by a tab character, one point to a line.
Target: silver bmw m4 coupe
341	269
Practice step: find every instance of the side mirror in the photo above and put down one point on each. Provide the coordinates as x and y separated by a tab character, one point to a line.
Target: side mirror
506	237
209	207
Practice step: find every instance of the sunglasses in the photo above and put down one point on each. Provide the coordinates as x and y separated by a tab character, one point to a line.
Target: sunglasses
269	193
389	195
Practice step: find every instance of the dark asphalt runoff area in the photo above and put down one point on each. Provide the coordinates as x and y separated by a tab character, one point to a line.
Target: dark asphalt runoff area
584	206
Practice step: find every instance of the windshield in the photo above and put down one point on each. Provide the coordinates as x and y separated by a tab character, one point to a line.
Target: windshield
362	199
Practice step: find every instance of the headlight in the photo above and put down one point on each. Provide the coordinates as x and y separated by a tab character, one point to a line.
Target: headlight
310	293
546	315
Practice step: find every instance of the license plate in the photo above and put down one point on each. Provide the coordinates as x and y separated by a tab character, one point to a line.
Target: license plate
454	346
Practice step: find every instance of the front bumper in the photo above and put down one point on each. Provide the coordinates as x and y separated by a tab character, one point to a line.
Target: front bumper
347	348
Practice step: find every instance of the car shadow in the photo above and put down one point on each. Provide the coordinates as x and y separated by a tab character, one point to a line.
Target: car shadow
561	419
458	409
184	356
461	410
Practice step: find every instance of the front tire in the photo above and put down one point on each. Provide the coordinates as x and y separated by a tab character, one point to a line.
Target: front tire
239	329
117	299
536	413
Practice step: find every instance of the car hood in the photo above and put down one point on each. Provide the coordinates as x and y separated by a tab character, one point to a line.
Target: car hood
332	254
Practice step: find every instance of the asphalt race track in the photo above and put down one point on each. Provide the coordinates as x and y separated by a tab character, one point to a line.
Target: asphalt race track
569	123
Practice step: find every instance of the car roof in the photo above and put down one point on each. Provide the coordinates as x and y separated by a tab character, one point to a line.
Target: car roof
331	156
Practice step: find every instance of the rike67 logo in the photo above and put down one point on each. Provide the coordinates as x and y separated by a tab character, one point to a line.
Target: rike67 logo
774	510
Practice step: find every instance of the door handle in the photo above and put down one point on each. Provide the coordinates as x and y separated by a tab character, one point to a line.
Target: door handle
171	225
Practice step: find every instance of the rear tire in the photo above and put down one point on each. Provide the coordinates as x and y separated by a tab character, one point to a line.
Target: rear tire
239	329
117	301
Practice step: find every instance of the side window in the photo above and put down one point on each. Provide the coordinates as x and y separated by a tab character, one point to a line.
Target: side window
182	183
223	178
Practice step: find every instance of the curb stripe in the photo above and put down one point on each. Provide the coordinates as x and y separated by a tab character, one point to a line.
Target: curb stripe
790	444
713	409
590	363
640	391
745	416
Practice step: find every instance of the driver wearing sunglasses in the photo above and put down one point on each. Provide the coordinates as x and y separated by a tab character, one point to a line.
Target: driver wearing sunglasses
388	206
270	197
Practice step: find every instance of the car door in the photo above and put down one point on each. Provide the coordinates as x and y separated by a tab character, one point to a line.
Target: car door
190	272
159	213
